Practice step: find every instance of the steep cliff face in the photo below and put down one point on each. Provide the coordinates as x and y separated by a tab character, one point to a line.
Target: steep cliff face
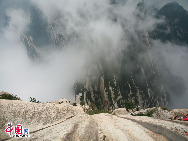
137	80
134	75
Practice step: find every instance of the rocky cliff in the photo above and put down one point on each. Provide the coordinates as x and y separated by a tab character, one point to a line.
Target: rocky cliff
135	75
135	81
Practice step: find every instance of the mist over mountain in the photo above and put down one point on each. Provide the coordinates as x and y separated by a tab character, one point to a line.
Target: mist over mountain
102	52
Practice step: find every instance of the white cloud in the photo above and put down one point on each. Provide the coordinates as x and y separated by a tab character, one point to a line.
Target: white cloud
175	59
18	21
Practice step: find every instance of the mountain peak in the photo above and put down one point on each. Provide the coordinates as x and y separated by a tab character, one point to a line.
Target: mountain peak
173	10
176	21
173	3
173	6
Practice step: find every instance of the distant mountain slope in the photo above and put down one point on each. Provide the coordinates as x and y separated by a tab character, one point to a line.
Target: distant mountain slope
132	78
135	78
175	28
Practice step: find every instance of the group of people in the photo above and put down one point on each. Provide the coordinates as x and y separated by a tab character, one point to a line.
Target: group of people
184	117
34	100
